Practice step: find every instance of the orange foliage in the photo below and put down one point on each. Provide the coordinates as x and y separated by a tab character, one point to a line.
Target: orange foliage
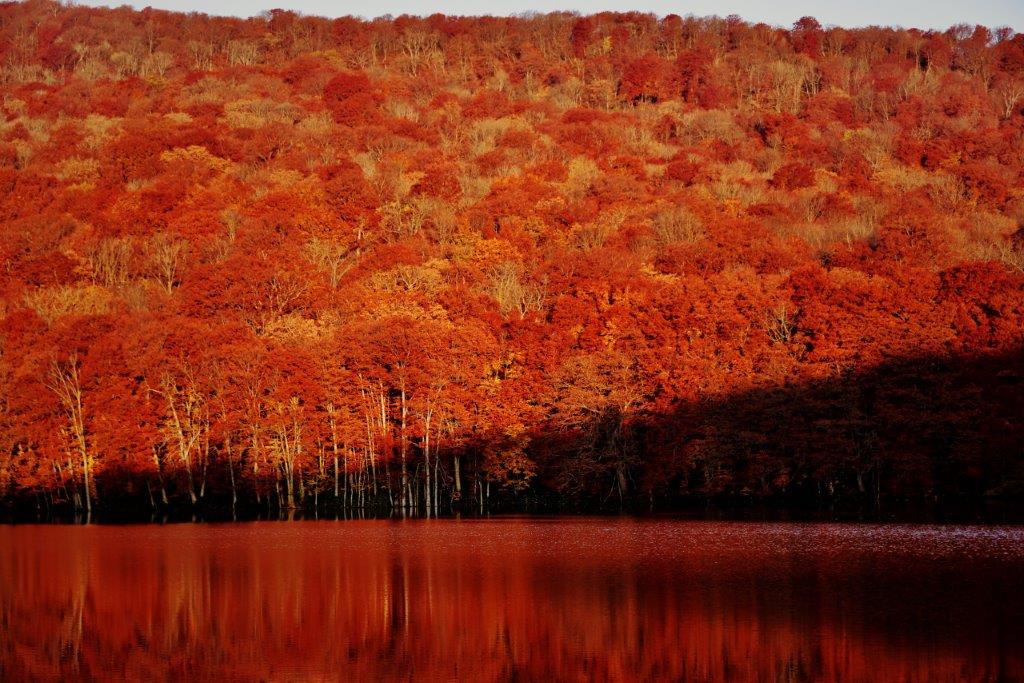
406	261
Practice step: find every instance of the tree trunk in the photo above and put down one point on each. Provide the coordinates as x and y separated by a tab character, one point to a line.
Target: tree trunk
289	485
404	497
426	458
334	448
457	472
231	472
88	493
191	484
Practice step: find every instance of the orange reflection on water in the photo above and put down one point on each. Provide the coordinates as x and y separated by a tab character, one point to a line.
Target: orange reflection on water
528	599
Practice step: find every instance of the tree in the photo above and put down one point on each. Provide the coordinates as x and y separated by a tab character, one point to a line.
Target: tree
351	98
63	380
413	262
167	257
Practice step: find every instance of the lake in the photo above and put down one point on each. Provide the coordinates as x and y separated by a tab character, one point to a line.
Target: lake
538	599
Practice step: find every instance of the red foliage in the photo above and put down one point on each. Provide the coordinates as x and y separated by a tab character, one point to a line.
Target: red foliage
793	176
351	98
593	254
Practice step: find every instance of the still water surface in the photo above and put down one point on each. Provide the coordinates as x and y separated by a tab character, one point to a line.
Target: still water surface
522	599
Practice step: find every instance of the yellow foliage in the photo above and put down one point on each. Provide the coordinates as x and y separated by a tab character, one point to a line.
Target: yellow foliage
490	253
178	117
256	113
902	178
505	459
198	155
99	129
52	303
78	171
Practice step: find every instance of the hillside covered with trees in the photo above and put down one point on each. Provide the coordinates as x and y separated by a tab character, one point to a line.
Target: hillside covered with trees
423	262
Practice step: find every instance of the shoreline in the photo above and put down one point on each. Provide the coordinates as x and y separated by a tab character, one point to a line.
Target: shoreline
985	512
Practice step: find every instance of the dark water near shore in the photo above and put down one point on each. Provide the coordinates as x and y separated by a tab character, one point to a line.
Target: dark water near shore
527	599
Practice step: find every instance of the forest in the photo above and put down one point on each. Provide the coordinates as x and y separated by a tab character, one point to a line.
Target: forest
450	263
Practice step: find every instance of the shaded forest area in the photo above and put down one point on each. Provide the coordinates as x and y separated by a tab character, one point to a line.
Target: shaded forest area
443	262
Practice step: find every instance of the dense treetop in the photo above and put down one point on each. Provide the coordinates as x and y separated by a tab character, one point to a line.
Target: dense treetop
419	259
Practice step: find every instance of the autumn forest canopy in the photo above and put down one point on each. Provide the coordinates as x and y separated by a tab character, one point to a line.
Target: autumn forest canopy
435	262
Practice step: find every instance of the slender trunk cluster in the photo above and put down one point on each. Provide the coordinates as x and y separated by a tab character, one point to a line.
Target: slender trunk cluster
64	381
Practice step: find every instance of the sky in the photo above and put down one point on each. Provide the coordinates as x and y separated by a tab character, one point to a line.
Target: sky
924	14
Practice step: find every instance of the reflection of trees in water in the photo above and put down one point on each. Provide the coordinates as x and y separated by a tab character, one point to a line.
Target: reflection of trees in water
538	601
